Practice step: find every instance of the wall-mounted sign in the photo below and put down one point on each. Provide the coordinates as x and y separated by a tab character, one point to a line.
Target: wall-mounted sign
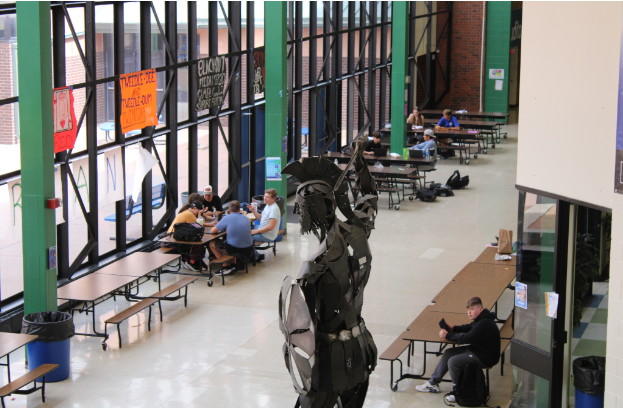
138	100
521	295
496	73
259	78
273	168
64	119
210	82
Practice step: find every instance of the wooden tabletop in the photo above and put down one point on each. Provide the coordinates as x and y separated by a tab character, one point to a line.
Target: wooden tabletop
386	170
486	275
9	342
443	134
470	123
455	295
472	114
206	238
426	327
344	157
137	264
488	256
92	287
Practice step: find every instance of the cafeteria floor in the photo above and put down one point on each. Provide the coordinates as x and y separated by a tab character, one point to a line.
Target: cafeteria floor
224	349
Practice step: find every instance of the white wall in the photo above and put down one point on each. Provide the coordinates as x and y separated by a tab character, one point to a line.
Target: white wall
568	98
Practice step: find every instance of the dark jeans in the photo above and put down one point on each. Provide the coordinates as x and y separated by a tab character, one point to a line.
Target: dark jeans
453	359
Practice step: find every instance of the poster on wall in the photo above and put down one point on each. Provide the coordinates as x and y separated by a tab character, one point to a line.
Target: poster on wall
259	77
618	167
521	295
115	188
496	73
138	100
273	169
210	82
65	127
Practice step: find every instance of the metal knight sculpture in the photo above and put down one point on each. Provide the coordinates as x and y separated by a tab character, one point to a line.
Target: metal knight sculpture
328	350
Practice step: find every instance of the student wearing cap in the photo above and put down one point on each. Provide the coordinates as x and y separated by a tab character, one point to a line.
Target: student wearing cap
211	200
192	255
428	144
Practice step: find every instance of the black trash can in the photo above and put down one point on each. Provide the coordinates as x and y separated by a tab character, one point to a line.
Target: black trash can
589	379
55	330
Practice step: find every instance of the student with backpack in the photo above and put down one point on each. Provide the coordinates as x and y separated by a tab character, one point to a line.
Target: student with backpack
483	337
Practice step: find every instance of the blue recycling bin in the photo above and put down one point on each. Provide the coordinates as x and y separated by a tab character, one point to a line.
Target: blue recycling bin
588	401
55	330
589	380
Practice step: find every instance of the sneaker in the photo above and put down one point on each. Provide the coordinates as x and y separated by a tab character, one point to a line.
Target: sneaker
428	388
261	257
228	271
451	399
190	266
184	265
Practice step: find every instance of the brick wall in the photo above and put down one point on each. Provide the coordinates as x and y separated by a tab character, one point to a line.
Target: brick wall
466	37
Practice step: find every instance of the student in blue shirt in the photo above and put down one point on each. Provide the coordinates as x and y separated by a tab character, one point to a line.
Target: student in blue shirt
448	121
428	144
239	240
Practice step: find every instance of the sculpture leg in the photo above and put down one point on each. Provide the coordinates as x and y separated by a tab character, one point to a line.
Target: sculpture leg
355	397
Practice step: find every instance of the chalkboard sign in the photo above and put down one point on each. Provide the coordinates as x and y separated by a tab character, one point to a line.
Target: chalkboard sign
259	78
211	82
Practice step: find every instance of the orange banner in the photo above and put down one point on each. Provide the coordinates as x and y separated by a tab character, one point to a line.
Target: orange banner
138	100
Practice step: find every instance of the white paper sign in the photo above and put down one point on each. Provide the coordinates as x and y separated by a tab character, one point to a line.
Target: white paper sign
114	186
499	84
80	170
496	73
551	304
521	295
15	206
58	193
144	163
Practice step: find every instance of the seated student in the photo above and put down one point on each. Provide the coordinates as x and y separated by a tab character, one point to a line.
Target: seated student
374	144
203	213
483	338
192	255
428	144
210	201
416	118
239	240
448	121
269	221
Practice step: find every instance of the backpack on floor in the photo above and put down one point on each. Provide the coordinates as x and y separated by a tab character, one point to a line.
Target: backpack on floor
426	195
188	232
471	388
441	190
457	182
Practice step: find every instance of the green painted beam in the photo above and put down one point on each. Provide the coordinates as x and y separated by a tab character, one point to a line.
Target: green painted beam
400	44
37	153
276	91
497	54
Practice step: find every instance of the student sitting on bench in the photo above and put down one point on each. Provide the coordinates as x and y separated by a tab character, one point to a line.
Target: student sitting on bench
374	144
428	144
483	337
239	240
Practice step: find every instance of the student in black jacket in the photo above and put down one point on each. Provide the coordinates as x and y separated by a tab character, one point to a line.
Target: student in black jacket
483	338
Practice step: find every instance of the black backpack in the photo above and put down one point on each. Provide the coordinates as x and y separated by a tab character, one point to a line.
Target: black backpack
186	232
426	195
456	182
471	388
441	190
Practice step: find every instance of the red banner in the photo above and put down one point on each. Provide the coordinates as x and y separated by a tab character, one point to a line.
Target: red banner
138	100
64	119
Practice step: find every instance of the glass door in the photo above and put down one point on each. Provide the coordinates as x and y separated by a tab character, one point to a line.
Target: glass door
541	268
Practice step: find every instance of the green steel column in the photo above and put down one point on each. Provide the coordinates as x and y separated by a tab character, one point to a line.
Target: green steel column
37	153
400	43
497	54
276	91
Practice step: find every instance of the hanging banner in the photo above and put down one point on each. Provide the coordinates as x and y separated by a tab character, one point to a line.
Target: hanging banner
115	188
210	82
138	100
65	127
15	198
80	170
144	163
259	78
58	193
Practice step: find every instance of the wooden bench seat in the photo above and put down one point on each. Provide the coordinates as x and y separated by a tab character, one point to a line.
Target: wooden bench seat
148	302
30	377
392	354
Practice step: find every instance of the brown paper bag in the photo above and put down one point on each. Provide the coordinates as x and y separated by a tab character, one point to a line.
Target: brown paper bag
505	241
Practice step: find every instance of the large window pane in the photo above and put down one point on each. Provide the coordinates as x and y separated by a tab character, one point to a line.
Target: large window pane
8	56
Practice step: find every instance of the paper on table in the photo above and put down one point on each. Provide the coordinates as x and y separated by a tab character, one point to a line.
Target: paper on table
472	132
551	304
144	163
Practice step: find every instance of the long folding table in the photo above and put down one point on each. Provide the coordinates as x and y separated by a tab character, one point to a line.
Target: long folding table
10	342
469	114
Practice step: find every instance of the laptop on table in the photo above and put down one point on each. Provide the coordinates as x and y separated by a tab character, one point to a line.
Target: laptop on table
380	152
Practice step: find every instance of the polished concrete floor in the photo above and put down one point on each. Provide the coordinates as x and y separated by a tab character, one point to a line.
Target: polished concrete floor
224	349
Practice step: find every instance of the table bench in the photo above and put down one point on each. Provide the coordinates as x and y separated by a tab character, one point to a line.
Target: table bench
158	197
30	377
148	302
